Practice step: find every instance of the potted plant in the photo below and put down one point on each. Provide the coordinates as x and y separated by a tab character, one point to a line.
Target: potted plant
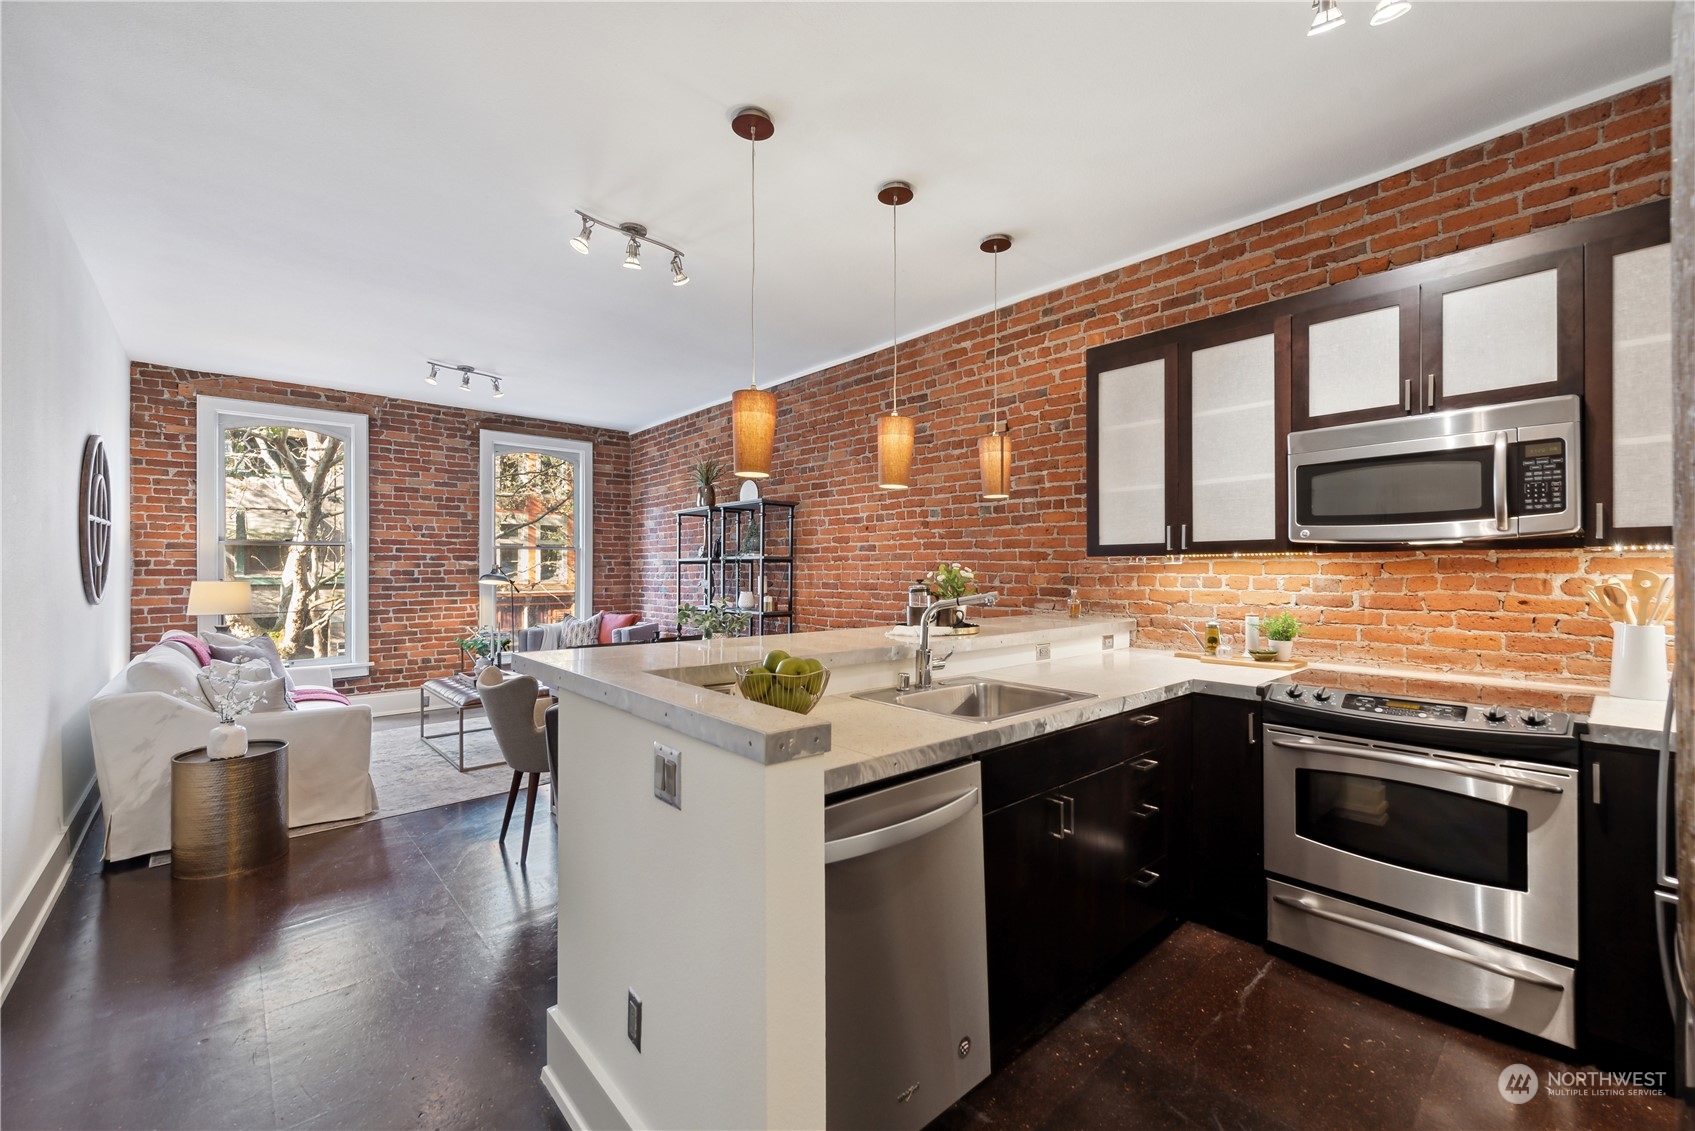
946	582
705	476
1281	628
712	618
231	700
478	644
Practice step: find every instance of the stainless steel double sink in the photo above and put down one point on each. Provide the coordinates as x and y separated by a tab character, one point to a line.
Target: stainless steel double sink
979	700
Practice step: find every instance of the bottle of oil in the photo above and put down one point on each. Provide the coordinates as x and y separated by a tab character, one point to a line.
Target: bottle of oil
1074	605
1214	635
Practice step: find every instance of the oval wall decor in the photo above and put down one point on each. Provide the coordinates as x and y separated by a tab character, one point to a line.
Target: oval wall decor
94	524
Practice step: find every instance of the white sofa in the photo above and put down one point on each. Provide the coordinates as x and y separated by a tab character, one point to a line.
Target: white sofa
153	710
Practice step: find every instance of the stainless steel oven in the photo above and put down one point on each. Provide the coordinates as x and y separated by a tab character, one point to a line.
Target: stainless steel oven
1430	845
1505	471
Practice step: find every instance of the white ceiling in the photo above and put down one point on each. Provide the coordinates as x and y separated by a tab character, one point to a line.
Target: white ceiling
332	193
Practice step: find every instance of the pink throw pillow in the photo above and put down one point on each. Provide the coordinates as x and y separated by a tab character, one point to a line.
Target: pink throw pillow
189	643
611	621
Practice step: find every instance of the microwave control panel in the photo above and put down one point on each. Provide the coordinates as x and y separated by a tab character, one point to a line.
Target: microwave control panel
1540	467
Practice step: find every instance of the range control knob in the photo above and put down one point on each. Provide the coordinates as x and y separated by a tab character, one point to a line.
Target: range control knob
1294	691
1322	695
1536	718
1495	715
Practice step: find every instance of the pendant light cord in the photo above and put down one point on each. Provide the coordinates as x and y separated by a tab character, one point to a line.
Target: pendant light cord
997	369
894	303
753	259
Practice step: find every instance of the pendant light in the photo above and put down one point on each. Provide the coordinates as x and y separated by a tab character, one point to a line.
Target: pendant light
994	451
753	411
894	431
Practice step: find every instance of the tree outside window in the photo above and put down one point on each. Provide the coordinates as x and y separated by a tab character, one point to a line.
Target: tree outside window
535	524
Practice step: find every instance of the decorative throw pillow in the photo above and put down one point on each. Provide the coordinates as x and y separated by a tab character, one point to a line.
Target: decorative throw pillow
238	648
611	622
272	695
579	633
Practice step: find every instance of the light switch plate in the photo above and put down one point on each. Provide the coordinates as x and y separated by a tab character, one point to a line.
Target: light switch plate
668	775
1106	643
1044	651
633	1020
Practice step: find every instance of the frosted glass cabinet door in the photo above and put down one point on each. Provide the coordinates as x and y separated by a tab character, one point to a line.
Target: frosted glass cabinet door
1130	455
1233	443
1641	408
1512	332
1355	360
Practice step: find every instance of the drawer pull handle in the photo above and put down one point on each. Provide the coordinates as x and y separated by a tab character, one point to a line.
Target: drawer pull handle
1147	810
1144	720
1150	881
1060	833
1145	764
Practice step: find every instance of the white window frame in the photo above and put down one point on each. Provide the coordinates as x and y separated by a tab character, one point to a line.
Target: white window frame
577	451
213	415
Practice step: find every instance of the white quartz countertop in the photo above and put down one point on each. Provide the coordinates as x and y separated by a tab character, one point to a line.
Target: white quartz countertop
861	741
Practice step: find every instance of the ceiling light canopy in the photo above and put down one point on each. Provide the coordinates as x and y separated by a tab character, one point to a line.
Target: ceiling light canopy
466	372
1327	16
994	451
753	411
635	237
894	431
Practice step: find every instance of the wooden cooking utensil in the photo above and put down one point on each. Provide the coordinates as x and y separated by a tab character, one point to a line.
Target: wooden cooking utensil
1658	602
1644	588
1615	600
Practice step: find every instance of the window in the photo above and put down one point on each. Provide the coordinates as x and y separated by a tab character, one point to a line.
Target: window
282	506
537	502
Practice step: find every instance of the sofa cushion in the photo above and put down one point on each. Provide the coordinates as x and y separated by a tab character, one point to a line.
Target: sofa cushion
609	622
168	669
258	647
272	696
580	633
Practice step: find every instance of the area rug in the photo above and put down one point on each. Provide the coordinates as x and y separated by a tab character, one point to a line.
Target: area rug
409	776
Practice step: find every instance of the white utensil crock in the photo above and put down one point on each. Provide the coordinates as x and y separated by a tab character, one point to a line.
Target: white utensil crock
1639	661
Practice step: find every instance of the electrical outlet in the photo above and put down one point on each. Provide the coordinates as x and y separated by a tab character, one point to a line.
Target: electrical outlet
668	775
633	1020
1106	643
1044	651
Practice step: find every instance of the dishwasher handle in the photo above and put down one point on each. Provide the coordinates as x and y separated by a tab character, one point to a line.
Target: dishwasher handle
863	844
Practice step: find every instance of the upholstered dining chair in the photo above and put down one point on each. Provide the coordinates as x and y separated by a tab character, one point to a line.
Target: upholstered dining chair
510	704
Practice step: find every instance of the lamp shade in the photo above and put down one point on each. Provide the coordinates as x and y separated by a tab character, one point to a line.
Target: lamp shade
894	452
994	453
496	577
753	419
216	598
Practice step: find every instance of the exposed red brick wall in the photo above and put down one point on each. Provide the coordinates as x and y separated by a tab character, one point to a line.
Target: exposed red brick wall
859	547
423	513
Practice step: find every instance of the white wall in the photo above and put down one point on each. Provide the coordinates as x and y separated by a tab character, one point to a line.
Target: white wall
63	375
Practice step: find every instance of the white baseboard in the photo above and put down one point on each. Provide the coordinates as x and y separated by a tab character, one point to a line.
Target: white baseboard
575	1083
385	703
50	878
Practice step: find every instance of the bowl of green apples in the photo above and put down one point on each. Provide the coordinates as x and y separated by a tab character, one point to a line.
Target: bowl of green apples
793	683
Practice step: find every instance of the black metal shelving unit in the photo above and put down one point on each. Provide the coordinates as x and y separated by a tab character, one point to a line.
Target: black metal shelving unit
732	548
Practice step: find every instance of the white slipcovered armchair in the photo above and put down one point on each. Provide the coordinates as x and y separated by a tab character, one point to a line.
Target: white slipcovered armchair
153	710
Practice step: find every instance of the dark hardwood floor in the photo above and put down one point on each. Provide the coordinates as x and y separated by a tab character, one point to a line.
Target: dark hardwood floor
396	974
392	974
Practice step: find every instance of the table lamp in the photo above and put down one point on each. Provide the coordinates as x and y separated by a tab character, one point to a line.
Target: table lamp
219	598
495	578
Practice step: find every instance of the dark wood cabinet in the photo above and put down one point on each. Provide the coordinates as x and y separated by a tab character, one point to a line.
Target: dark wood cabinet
1622	1008
1079	861
1354	359
1226	819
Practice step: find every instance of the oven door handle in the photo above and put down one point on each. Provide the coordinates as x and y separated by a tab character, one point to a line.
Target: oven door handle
1503	521
1443	949
1371	755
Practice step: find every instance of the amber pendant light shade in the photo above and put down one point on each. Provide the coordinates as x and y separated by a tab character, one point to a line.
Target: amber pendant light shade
753	418
994	453
894	451
753	411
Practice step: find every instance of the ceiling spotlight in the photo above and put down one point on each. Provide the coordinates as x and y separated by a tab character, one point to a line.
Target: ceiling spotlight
496	382
1389	10
580	241
1327	16
431	379
633	254
677	277
465	381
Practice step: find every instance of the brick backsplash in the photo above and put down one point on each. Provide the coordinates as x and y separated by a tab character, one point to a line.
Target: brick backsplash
858	547
423	513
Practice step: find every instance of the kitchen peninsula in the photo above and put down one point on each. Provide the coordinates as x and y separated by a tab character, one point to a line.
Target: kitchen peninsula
712	913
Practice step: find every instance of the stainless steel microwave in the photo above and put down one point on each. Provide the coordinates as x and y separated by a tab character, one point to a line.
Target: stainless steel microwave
1504	471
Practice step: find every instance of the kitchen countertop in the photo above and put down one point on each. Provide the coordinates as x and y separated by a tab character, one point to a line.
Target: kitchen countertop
861	741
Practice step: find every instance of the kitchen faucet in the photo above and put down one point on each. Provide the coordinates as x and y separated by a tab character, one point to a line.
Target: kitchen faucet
923	663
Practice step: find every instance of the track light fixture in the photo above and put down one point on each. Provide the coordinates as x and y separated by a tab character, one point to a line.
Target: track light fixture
636	236
466	372
1389	10
1326	16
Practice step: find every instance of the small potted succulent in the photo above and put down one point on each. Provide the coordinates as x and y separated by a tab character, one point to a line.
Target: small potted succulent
705	476
946	582
713	618
1281	628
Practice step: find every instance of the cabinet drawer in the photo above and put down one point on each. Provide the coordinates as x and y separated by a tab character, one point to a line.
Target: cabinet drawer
1013	773
1156	726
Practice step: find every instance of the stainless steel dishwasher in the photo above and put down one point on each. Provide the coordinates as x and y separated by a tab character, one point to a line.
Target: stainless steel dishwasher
905	952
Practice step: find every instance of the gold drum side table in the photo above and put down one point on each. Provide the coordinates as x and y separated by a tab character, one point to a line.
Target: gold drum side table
230	815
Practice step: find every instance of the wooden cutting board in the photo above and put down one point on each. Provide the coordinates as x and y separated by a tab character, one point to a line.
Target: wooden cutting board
1245	661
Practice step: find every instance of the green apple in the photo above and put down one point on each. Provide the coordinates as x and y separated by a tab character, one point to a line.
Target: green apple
756	685
773	658
792	665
